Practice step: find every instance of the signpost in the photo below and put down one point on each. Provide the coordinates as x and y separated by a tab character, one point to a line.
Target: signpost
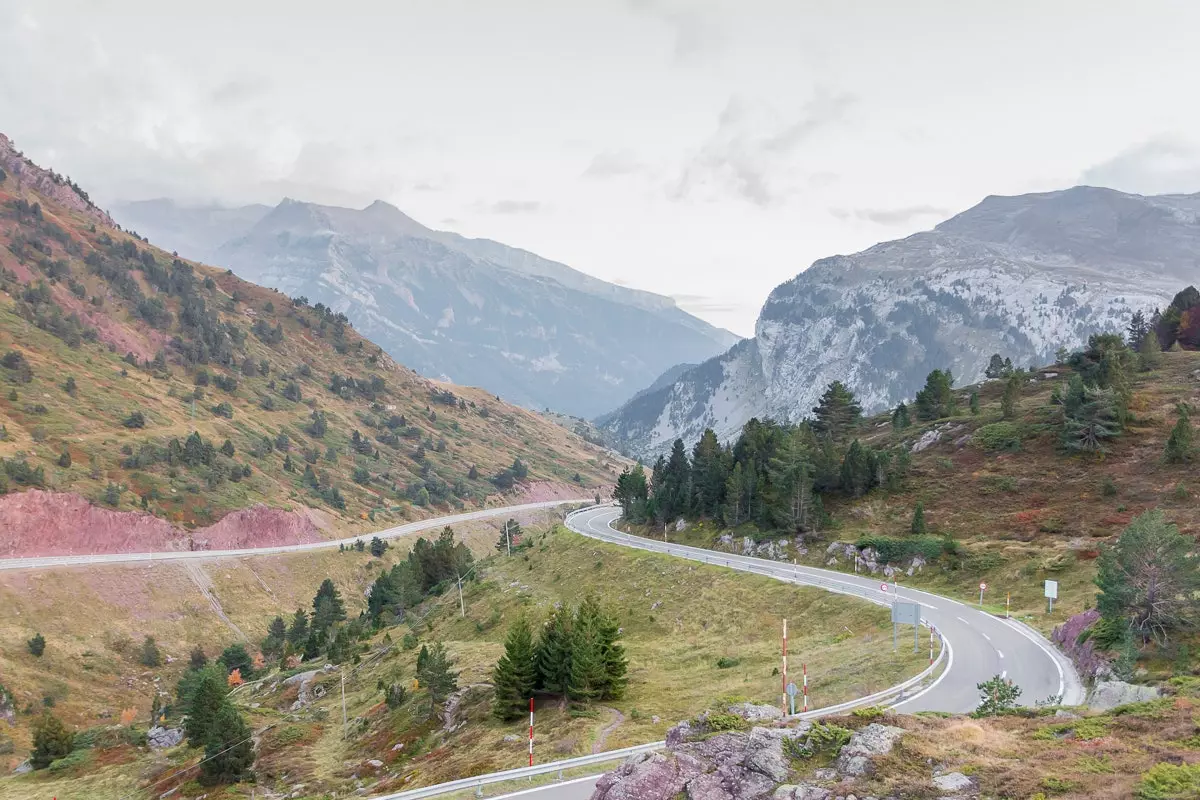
982	586
1051	594
906	614
792	691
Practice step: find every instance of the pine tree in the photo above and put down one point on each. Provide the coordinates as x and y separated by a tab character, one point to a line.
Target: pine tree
1012	395
837	413
975	404
229	751
64	460
995	367
36	644
1179	449
235	657
791	477
936	400
149	656
589	675
900	419
203	705
1137	330
275	639
227	449
616	664
858	473
673	491
553	652
51	741
435	673
734	511
1149	351
1092	420
297	632
708	474
632	491
327	606
197	659
515	674
918	519
378	546
1148	579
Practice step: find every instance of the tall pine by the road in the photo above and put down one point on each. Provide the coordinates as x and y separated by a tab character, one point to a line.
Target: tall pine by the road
708	474
515	675
553	656
837	413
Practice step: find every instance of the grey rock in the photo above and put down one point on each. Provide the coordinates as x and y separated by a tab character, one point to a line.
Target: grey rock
374	762
764	750
648	776
801	791
1062	713
1107	695
756	713
23	768
953	782
927	440
160	738
856	758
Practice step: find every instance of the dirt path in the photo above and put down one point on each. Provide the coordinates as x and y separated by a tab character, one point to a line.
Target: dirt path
602	739
205	585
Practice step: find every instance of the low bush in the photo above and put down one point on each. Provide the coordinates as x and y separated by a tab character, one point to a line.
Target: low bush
999	437
892	550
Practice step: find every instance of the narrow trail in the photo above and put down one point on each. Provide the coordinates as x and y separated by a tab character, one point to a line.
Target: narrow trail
205	585
602	739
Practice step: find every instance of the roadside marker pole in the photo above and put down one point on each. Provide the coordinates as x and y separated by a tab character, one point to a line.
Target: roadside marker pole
805	668
531	731
1007	603
931	645
785	695
461	606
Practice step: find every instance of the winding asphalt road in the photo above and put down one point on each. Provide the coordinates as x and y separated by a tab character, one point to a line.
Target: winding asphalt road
980	645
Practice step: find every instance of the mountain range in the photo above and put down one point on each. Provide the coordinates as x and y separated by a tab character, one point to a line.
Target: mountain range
1020	276
473	311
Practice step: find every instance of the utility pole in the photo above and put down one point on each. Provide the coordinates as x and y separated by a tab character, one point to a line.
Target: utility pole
785	681
508	538
461	606
345	732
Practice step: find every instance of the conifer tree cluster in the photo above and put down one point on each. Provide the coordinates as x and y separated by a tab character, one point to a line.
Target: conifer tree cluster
774	475
577	655
429	567
215	724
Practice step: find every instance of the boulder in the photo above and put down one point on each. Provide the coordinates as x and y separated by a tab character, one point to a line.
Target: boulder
756	713
764	750
647	776
928	439
1107	695
856	758
160	738
801	791
953	782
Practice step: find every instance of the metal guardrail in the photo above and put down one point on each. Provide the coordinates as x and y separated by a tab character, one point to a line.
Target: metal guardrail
521	772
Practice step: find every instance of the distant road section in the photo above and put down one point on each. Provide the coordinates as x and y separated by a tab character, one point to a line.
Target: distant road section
35	562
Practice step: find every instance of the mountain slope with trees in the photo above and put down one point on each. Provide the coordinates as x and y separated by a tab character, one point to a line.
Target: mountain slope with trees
145	382
474	311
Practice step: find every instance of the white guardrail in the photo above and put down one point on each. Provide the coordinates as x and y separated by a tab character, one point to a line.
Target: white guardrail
614	755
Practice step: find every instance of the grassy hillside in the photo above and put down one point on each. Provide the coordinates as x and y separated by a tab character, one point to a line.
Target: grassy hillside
112	353
678	619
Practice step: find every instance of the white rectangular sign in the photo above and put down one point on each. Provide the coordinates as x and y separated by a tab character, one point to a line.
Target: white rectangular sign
1052	590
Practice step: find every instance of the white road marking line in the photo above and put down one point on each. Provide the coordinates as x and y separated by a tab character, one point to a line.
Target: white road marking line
984	635
1000	653
1004	674
960	619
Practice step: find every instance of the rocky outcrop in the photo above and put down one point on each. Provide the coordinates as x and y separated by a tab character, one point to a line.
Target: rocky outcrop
160	738
1107	695
700	765
857	758
48	183
1083	654
1019	276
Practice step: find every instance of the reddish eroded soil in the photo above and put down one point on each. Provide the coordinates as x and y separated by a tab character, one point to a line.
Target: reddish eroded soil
38	523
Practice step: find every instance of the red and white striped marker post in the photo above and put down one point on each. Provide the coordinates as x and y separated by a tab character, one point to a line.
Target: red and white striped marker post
785	695
804	667
531	731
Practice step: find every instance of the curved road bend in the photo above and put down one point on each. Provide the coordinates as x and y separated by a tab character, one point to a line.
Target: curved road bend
42	562
982	645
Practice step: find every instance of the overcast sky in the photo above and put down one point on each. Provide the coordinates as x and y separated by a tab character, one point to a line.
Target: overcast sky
707	150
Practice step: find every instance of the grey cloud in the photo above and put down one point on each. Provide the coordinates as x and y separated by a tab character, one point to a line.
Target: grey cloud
696	35
1162	165
514	207
750	151
612	164
889	216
